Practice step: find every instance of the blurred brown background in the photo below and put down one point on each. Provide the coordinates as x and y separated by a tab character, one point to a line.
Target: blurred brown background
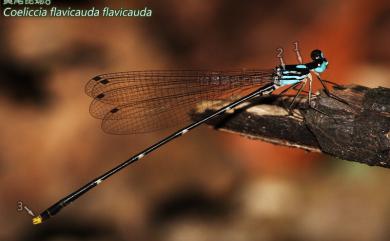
207	185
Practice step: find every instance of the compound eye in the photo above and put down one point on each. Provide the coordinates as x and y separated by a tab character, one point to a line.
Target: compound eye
317	54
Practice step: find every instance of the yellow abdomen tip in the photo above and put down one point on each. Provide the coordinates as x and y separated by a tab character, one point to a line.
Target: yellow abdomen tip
37	220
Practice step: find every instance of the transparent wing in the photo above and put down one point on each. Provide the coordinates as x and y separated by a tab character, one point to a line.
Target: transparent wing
144	101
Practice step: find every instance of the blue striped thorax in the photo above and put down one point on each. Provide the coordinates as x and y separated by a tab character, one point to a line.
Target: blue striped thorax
292	74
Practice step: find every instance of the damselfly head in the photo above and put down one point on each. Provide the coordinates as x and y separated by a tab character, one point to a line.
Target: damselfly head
317	54
318	57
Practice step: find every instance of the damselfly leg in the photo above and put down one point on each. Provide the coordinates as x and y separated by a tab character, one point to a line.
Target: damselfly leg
299	89
303	84
328	93
285	91
332	83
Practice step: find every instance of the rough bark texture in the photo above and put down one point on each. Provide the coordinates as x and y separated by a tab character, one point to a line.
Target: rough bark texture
359	131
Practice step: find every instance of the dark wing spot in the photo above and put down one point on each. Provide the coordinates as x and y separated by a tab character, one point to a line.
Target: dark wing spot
100	96
97	78
114	110
104	81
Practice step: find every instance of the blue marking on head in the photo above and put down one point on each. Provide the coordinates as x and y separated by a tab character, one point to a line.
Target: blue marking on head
322	67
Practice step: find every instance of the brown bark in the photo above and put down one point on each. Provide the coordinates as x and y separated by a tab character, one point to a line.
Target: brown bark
359	131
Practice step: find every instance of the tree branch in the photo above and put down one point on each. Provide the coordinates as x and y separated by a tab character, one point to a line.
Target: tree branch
359	131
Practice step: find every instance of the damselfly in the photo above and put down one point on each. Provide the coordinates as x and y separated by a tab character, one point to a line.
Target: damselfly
143	101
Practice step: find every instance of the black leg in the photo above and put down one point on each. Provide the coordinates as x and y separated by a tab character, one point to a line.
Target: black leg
332	83
328	93
303	91
284	91
295	97
300	90
289	88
